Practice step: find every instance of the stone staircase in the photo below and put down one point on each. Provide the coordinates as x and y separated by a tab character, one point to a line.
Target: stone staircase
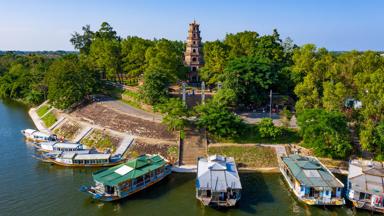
193	146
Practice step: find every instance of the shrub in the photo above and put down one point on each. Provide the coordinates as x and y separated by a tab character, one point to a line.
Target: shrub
268	130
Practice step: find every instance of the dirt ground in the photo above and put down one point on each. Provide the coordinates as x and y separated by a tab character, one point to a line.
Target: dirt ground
140	148
103	116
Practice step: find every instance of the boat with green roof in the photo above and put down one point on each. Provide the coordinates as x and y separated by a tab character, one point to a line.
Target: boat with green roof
311	181
128	178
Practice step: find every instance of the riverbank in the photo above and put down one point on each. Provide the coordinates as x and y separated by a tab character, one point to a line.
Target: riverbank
96	125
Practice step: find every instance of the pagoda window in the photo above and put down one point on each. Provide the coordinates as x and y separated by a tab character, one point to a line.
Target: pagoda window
194	59
194	50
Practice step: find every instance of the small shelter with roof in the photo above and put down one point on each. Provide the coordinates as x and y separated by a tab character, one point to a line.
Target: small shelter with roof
366	184
218	182
311	181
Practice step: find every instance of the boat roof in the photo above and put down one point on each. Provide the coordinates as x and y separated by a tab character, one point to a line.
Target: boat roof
366	176
129	170
30	131
217	173
310	172
92	156
35	132
66	145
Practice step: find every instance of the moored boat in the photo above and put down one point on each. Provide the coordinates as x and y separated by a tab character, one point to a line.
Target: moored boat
366	185
37	136
126	179
310	181
218	182
59	146
82	158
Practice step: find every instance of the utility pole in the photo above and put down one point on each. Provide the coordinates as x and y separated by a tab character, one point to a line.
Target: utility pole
270	103
203	92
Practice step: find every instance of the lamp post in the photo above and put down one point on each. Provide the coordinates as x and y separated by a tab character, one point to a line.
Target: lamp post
270	103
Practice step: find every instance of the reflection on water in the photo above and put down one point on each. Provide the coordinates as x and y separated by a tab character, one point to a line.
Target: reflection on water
31	187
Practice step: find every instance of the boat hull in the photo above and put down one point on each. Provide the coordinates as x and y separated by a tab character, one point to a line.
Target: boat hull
50	160
104	198
335	202
366	206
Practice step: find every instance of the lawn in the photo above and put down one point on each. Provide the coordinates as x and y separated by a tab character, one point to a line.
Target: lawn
42	110
252	135
68	130
101	141
247	156
49	119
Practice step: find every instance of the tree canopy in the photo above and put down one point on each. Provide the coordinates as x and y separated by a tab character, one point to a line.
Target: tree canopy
325	132
69	81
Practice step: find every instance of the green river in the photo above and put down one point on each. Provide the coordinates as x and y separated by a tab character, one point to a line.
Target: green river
30	187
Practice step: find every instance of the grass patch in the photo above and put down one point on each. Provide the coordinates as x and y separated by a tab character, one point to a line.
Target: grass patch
100	140
132	94
49	119
68	130
132	98
132	103
252	135
247	156
42	110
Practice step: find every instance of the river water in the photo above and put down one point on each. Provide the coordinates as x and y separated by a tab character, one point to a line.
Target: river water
30	187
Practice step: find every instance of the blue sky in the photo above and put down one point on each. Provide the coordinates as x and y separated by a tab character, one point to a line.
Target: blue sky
335	25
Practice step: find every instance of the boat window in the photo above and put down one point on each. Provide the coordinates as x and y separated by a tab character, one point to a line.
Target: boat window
362	195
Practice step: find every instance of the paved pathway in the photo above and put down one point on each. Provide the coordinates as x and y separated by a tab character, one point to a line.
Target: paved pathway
129	110
37	121
86	130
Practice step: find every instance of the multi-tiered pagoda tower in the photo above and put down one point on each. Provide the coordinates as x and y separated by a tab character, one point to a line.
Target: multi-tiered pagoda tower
193	57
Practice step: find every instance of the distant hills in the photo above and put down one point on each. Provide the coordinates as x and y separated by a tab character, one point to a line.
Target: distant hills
44	52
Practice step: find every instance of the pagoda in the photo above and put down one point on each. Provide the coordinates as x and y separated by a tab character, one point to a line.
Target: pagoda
193	57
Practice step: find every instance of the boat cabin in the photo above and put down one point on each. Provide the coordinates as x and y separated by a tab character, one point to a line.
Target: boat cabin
218	182
38	136
75	158
59	146
366	184
124	179
311	181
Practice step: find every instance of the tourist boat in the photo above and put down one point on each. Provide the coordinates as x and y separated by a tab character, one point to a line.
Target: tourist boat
126	179
37	136
310	181
82	158
59	146
218	182
365	185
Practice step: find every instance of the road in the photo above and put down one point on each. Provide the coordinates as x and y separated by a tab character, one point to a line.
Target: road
129	110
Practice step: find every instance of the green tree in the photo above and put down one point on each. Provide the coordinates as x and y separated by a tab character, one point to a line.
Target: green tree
166	56
176	114
268	129
164	67
325	132
247	80
105	52
334	96
216	58
69	82
241	44
155	87
133	51
82	42
218	120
